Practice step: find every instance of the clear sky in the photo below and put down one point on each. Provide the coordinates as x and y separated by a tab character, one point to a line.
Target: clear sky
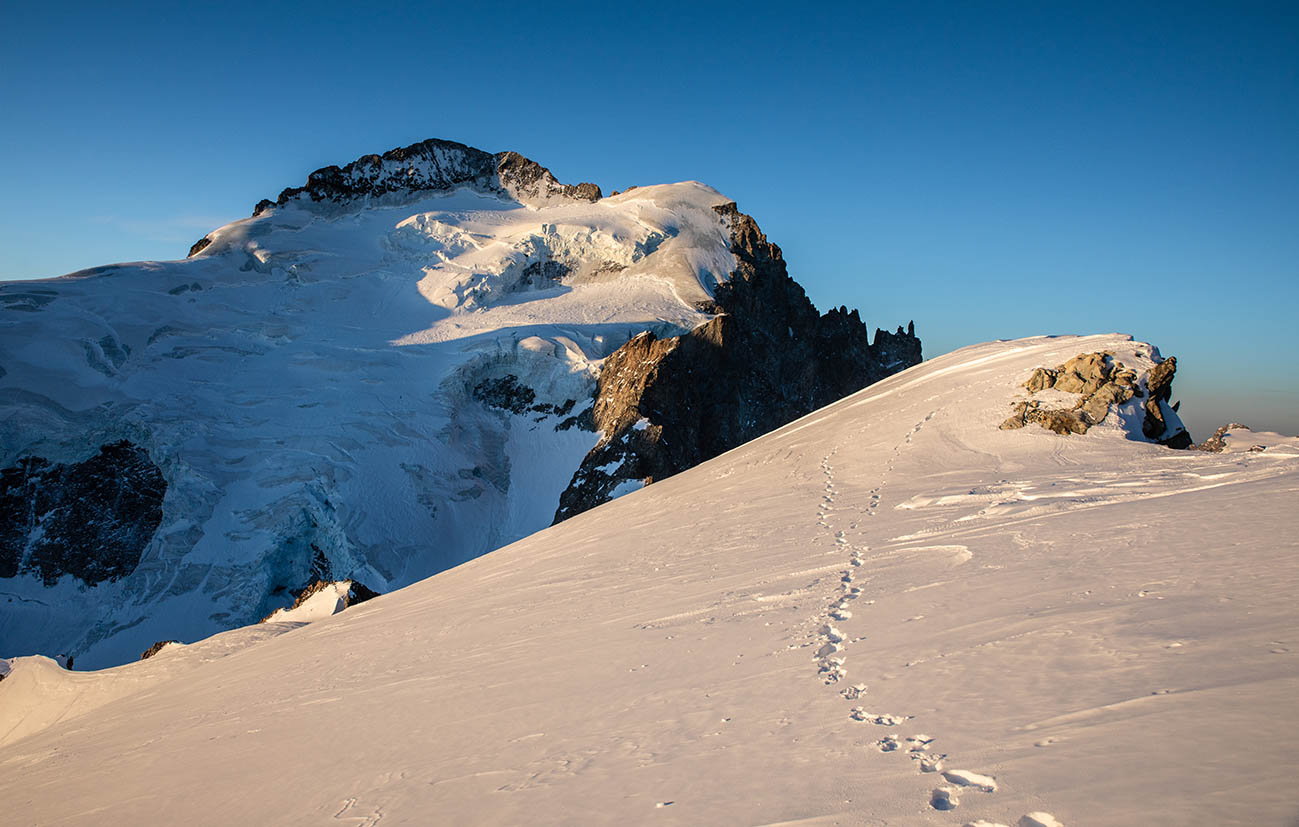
990	170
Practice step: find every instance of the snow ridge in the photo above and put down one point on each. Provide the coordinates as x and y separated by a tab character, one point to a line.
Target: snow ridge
1047	627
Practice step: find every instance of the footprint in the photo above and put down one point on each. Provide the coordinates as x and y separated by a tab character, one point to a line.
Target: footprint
965	778
1039	819
859	714
919	743
944	798
832	670
855	691
928	761
889	743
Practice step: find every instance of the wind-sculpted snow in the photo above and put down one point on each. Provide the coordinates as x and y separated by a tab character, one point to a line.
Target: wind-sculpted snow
889	611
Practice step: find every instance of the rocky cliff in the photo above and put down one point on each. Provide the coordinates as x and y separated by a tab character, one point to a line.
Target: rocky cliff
767	357
90	519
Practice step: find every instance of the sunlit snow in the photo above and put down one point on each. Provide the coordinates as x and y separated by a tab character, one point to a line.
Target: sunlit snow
889	611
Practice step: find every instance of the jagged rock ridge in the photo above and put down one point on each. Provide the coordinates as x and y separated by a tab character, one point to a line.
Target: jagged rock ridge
766	358
432	165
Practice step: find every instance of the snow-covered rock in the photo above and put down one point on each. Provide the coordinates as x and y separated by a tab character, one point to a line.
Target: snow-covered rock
380	375
1049	629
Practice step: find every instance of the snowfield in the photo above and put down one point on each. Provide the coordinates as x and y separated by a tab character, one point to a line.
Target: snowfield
888	612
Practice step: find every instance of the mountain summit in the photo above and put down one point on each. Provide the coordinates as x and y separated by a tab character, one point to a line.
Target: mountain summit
405	363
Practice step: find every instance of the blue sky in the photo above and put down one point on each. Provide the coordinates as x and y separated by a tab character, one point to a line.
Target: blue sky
991	170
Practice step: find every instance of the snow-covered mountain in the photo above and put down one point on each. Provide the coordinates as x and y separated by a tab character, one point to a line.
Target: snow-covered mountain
381	374
891	611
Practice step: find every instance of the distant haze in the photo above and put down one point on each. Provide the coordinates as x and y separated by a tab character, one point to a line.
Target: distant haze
990	171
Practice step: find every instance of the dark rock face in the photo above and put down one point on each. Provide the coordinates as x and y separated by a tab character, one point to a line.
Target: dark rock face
430	166
199	246
1160	384
359	593
91	519
509	394
506	393
766	358
1102	382
356	593
531	178
155	649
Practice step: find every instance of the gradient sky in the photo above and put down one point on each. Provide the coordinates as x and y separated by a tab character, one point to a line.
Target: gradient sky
990	170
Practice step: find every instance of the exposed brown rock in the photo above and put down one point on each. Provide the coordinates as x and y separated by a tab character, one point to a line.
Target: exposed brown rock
1020	417
1218	441
1160	385
1084	373
1102	383
1041	379
1063	422
1096	406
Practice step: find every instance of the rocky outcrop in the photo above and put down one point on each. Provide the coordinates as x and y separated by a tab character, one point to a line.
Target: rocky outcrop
1101	383
90	519
767	357
1218	442
156	648
356	593
508	394
521	177
1160	385
431	166
199	246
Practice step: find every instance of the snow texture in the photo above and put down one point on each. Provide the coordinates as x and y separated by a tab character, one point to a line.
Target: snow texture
306	384
1043	630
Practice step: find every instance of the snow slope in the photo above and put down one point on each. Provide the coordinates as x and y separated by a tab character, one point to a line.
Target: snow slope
1090	627
306	384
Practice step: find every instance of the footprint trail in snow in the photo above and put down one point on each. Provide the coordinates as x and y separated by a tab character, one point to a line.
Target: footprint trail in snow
832	660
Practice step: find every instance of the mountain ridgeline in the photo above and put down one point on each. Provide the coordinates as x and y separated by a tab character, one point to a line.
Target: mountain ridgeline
407	362
764	359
